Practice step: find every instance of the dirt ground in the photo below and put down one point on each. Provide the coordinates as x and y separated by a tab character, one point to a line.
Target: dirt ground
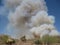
31	43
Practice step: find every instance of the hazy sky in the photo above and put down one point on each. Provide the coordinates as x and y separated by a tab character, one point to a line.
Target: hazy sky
53	9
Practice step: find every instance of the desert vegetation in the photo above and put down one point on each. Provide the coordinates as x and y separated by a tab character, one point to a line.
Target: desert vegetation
46	40
6	40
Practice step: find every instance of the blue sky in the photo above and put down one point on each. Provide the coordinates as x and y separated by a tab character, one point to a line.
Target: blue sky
53	9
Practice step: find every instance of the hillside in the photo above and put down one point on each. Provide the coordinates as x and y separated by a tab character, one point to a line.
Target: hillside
7	40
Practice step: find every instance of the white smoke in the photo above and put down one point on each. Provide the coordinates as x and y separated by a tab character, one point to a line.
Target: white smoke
12	3
54	33
42	18
45	29
29	16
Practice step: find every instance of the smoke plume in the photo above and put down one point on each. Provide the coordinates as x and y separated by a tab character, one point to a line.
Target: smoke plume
28	17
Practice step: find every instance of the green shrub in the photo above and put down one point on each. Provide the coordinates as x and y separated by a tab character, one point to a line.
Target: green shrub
4	38
50	39
37	42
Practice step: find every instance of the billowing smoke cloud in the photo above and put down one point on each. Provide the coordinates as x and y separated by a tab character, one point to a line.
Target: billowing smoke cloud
28	17
42	18
44	29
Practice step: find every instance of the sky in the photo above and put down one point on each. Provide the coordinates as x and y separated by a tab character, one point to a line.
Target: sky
53	9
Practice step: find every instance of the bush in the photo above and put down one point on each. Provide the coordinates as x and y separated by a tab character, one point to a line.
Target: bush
37	42
23	39
4	38
50	39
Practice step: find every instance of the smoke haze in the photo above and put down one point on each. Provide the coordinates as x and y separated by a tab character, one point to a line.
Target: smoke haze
29	16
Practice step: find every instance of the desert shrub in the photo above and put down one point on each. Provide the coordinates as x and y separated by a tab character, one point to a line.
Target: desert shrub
23	39
4	38
37	42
